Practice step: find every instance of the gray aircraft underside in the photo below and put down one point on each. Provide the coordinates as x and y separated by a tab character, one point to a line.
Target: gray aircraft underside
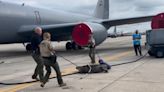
13	17
18	21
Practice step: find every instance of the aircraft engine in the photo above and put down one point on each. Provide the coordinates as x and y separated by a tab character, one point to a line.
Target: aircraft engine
82	31
158	21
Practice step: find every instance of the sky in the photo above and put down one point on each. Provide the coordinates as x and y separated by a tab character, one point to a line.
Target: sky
118	8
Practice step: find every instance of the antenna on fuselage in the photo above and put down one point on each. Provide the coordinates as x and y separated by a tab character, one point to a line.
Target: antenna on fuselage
23	4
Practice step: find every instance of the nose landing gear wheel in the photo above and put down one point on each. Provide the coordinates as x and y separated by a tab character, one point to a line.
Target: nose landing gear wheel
72	45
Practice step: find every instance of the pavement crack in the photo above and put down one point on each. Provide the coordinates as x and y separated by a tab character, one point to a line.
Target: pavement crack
121	77
142	81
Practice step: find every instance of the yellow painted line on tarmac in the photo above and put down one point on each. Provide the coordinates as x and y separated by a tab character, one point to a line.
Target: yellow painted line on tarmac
69	70
65	72
23	86
17	87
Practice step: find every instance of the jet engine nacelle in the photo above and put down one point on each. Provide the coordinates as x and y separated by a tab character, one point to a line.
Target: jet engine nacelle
82	31
158	21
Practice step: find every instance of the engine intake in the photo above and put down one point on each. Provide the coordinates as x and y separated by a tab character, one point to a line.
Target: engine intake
158	21
82	31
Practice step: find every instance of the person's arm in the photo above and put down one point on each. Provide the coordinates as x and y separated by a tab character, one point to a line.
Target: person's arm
94	42
91	42
133	37
37	40
51	48
140	36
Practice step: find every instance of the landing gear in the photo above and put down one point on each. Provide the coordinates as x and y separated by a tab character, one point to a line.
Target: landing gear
68	46
28	47
72	45
75	46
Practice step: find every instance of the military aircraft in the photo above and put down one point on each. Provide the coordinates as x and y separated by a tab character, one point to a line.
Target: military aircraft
17	23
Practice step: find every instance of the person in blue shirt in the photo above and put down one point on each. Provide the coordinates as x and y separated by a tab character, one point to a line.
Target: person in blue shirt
137	43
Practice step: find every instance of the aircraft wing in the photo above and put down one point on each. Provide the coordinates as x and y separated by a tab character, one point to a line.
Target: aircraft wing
63	32
117	22
59	32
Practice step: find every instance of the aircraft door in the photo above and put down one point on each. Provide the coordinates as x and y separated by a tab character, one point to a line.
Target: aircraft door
37	17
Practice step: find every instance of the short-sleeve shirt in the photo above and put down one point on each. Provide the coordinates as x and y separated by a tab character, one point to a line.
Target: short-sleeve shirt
136	39
46	48
91	42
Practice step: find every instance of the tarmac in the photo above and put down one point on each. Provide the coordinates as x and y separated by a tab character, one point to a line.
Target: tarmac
146	75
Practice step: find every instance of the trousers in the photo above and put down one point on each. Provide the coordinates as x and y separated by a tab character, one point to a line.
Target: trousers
92	54
137	48
39	67
49	62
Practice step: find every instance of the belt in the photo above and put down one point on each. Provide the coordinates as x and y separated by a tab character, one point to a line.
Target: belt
46	57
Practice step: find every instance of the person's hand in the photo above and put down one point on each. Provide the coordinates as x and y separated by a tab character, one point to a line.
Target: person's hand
54	52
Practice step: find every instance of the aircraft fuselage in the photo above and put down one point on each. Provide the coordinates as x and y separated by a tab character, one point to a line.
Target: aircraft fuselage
13	17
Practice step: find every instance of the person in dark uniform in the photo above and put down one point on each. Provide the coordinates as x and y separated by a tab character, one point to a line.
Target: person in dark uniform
49	58
137	43
91	45
35	41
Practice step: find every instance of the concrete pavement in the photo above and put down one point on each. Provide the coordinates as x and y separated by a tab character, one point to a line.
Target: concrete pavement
143	76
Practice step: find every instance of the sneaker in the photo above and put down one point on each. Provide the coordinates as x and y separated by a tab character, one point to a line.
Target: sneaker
63	84
34	77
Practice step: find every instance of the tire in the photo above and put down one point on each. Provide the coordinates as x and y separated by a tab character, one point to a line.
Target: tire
68	46
150	53
159	54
